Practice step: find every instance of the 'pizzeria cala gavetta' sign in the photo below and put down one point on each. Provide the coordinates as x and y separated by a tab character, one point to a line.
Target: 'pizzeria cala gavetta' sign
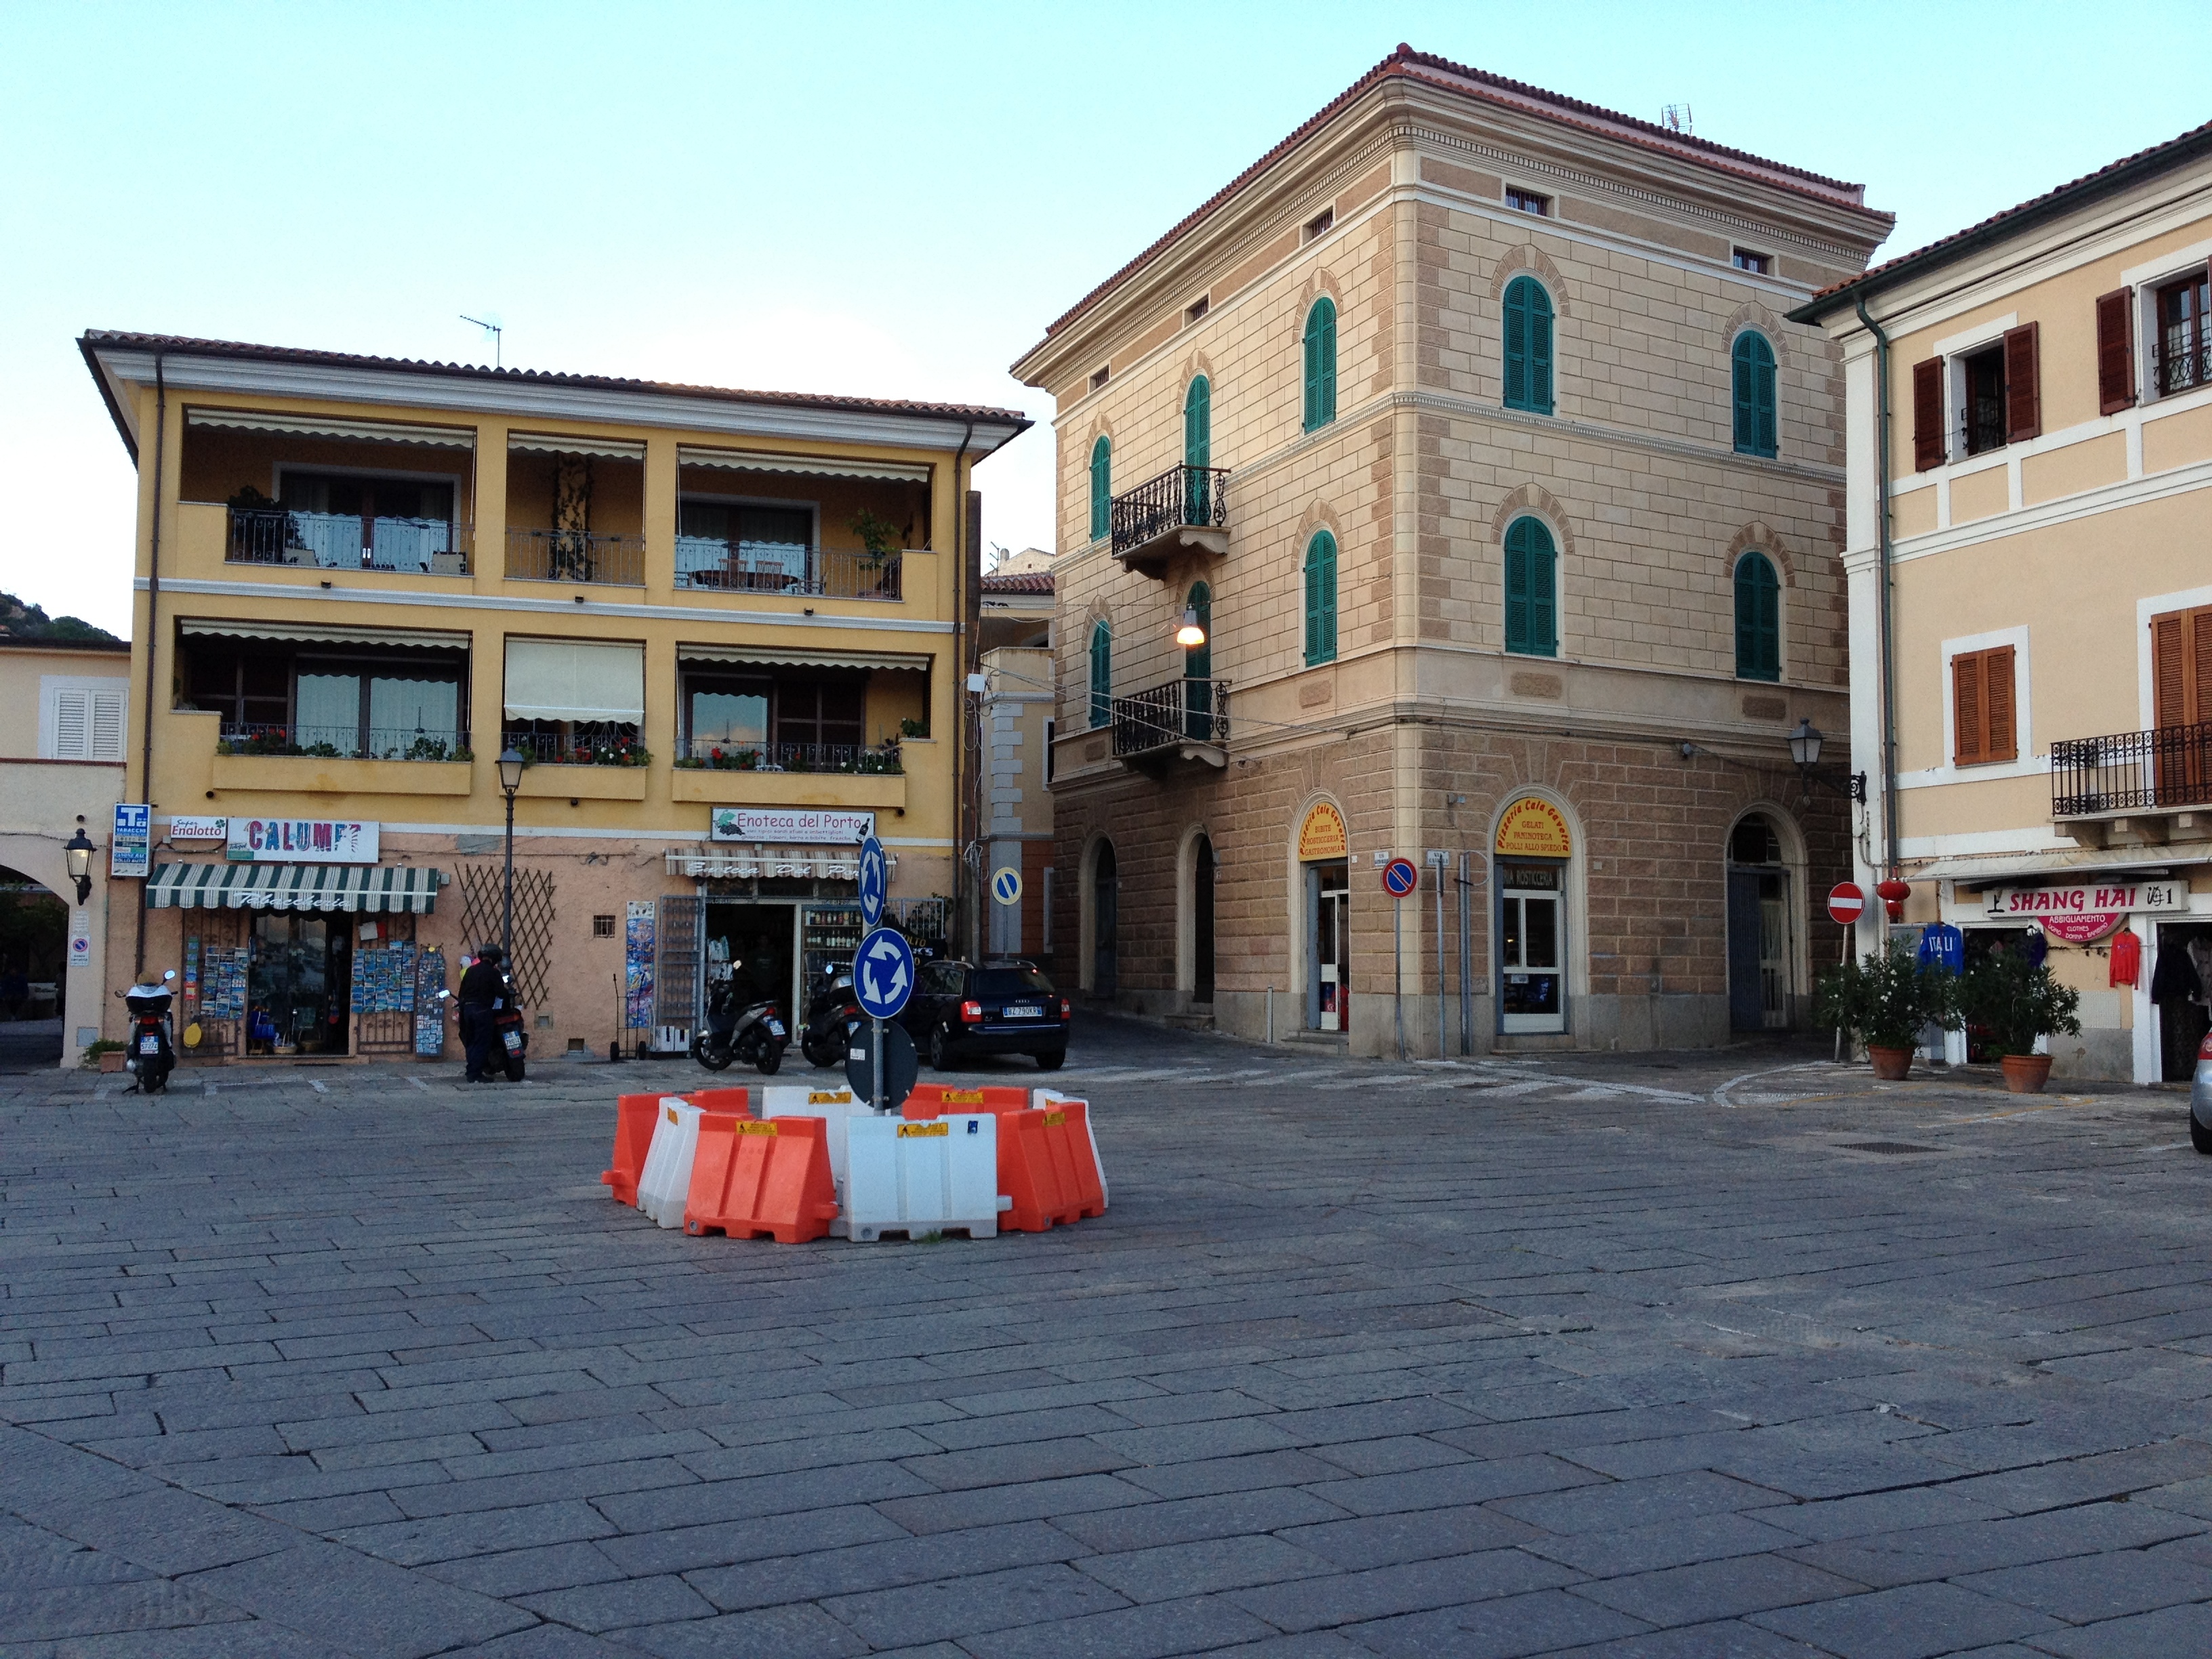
2081	911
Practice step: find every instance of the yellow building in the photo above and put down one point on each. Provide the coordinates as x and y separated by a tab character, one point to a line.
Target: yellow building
726	629
2029	440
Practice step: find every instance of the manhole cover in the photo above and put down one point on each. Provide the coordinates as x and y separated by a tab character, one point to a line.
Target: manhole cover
1883	1148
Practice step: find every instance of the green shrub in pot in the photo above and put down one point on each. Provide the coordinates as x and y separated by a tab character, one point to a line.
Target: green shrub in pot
1887	998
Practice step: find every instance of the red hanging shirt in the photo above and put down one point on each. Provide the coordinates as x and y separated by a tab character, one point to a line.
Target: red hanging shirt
2127	956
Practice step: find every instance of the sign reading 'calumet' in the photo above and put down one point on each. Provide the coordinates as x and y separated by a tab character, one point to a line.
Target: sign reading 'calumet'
300	841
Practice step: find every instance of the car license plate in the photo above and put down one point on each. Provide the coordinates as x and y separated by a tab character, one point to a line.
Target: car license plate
149	1045
513	1041
1024	1010
776	1027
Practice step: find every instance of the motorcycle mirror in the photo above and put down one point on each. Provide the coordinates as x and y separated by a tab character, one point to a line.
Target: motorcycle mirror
168	974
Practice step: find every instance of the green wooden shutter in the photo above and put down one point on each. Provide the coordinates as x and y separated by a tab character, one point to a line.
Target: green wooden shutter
1758	619
1528	346
1321	599
1198	670
1198	451
1532	624
1754	365
1102	676
1102	488
1321	363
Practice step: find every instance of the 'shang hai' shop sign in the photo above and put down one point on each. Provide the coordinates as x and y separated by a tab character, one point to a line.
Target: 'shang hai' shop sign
2089	910
300	841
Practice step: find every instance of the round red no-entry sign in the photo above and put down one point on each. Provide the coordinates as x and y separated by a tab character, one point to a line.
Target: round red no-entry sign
1846	900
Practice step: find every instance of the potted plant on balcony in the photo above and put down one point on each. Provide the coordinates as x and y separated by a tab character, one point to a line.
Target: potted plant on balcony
1884	1001
878	537
2019	1002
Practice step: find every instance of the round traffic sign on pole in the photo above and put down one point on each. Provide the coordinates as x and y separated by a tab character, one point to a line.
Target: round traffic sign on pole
1399	878
901	1067
874	882
883	973
1006	885
1846	902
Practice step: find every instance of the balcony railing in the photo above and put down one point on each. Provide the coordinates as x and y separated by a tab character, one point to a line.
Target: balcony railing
345	541
2178	366
1182	498
344	741
714	565
2132	772
607	746
728	755
1181	711
575	555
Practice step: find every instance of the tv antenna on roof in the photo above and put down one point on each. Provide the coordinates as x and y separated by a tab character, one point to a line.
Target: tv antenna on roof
492	329
1675	118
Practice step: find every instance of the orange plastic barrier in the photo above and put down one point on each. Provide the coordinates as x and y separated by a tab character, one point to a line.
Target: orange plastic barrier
750	1179
933	1100
738	1101
635	1115
1032	1175
1068	1131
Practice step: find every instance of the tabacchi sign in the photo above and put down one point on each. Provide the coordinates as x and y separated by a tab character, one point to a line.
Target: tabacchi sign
300	841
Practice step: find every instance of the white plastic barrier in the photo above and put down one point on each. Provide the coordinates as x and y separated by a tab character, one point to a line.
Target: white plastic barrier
665	1184
1045	1099
836	1107
938	1176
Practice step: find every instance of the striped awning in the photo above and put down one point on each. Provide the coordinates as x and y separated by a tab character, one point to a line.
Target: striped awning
292	887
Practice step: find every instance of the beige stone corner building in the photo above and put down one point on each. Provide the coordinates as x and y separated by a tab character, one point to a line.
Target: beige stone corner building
2029	426
1468	427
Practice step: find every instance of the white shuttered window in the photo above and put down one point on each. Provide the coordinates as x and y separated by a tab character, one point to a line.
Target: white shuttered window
85	723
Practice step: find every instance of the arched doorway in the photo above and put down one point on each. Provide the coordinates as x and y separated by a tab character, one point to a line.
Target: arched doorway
1202	921
1105	902
34	971
1760	947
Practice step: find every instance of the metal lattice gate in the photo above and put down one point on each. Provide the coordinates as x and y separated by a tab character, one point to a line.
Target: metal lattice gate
482	890
676	968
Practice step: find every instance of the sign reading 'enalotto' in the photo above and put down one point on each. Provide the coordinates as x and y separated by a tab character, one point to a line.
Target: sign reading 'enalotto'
300	841
808	824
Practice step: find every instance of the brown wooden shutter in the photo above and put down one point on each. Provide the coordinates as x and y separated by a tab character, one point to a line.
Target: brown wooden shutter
2000	740
2116	350
1928	448
2023	391
1967	722
2200	666
2181	668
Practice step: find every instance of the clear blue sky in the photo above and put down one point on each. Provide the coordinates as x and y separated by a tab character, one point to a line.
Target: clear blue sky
892	199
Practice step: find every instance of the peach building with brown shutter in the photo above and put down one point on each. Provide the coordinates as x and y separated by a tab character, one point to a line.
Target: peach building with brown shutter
2033	705
1467	429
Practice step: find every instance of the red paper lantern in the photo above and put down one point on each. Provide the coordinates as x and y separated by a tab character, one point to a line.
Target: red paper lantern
1892	894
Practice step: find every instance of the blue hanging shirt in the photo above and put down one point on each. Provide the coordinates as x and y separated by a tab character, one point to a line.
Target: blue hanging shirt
1943	946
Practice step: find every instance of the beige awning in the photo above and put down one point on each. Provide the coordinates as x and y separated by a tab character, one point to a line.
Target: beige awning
817	466
546	443
322	426
1982	870
313	634
574	680
760	657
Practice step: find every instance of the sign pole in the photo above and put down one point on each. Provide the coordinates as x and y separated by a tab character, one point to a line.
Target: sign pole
1398	973
1437	863
875	1067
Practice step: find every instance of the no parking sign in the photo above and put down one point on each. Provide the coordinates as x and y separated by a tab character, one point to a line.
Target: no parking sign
1399	878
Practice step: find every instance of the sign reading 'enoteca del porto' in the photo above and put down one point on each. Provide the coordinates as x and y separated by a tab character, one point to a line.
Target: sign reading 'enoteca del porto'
301	840
809	824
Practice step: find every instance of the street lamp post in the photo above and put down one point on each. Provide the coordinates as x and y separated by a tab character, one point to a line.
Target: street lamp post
510	779
1805	749
77	852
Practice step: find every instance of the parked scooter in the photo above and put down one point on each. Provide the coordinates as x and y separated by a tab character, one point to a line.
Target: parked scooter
754	1035
508	1029
831	1018
151	1054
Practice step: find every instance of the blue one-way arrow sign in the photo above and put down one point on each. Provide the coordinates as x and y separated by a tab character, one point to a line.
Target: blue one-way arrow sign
873	882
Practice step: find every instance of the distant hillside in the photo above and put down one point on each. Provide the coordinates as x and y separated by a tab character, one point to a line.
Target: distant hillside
29	622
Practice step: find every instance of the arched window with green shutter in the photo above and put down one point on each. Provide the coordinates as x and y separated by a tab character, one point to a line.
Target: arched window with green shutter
1102	488
1528	346
1102	675
1532	602
1321	363
1754	359
1198	669
1321	599
1198	449
1758	619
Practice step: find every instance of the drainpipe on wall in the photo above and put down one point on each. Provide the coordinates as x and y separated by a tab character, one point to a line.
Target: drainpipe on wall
1888	670
153	636
960	643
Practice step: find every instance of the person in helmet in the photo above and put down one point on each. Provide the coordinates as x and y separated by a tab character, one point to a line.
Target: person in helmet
480	988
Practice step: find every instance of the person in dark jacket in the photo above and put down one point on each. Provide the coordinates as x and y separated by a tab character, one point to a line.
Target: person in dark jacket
480	988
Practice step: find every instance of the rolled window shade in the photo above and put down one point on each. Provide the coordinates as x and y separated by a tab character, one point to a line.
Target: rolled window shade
574	680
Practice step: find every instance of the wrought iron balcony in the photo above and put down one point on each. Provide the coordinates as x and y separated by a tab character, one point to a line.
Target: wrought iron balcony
737	755
716	565
347	742
345	541
1185	508
2160	770
1183	720
575	555
2177	365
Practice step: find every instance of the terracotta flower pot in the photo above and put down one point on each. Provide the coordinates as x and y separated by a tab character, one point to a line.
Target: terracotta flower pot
1889	1065
2025	1074
110	1059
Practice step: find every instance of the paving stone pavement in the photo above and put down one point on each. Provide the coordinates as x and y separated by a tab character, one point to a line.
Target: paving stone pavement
1736	1353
